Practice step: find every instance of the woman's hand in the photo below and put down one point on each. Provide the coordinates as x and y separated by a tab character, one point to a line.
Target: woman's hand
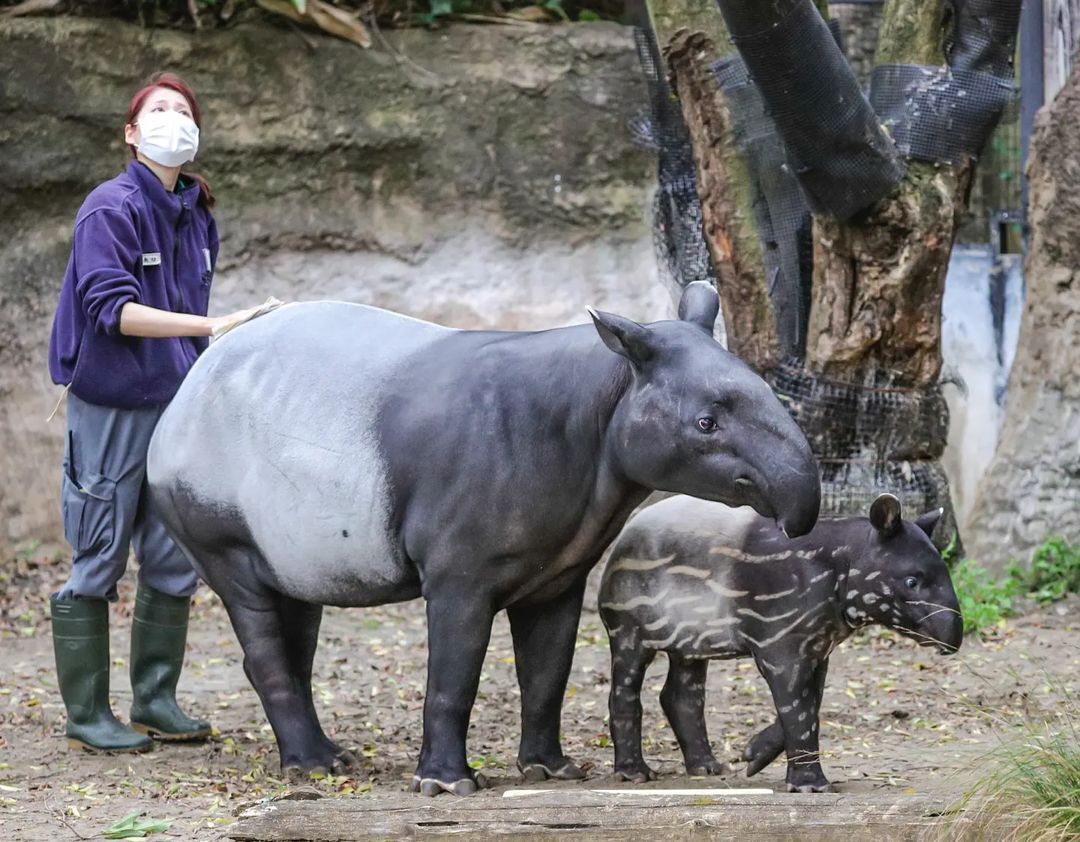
219	323
140	320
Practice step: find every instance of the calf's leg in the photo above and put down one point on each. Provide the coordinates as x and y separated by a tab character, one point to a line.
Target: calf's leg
544	636
683	701
628	664
797	696
764	747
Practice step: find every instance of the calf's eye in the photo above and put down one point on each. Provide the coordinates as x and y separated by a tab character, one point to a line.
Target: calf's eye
911	582
706	424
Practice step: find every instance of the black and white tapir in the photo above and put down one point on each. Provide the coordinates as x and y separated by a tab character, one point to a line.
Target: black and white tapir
330	453
699	580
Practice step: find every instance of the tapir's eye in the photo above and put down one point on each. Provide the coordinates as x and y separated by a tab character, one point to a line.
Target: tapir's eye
706	424
911	582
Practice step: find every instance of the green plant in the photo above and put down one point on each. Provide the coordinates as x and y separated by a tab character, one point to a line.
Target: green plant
1032	791
1055	570
984	602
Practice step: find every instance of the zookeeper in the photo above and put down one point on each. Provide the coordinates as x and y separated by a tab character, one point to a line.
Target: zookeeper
129	324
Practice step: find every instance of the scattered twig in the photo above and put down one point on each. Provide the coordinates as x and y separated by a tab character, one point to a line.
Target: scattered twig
193	11
309	42
33	7
504	20
59	816
399	55
330	19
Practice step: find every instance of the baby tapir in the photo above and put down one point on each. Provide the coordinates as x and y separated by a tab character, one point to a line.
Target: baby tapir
700	580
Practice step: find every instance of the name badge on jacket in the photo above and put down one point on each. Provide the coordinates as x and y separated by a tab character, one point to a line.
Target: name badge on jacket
152	258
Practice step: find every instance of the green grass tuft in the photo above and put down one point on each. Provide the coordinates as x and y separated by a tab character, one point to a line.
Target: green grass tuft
1033	789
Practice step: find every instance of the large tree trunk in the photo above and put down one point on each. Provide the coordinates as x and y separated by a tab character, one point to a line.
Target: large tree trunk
879	279
881	245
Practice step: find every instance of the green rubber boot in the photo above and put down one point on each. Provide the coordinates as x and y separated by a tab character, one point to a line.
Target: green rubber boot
158	640
80	629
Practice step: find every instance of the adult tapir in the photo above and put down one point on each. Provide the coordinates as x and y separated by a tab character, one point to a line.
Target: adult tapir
337	454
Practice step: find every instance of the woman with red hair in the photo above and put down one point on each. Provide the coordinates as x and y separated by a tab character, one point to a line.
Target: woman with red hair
130	322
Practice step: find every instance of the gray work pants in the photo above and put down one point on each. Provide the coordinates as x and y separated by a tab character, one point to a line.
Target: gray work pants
105	505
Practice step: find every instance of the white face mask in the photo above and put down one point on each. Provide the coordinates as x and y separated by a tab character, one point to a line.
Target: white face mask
168	138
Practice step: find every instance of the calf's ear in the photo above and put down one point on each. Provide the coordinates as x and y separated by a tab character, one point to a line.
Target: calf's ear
700	305
624	336
926	522
885	515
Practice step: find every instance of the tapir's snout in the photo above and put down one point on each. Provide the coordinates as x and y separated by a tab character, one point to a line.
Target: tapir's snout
798	516
793	484
942	630
949	633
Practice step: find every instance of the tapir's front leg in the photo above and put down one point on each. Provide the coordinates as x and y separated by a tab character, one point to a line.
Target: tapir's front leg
628	664
795	693
544	637
459	627
768	743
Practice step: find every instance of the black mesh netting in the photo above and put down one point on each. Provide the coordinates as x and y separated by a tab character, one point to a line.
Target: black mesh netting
944	114
938	114
834	142
870	439
681	251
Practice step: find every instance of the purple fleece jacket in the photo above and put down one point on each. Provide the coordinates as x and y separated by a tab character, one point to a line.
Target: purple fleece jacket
133	241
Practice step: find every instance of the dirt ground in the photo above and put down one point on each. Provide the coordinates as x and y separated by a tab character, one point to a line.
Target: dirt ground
895	716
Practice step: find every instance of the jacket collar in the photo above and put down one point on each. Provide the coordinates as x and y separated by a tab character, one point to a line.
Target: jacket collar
170	205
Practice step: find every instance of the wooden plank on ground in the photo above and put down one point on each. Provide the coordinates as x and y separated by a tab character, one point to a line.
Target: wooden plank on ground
585	816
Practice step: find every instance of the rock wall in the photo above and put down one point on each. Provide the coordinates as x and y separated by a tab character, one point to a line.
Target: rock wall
477	176
1032	488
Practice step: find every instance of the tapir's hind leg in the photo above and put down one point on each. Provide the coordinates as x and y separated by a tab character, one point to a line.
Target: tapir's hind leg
275	668
300	629
765	746
683	701
278	635
544	637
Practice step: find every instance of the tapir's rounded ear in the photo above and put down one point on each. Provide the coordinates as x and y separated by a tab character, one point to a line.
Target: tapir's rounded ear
885	515
927	522
700	305
624	336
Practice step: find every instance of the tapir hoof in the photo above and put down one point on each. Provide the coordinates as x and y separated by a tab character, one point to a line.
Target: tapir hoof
535	773
763	749
337	761
755	763
635	774
808	789
430	787
712	766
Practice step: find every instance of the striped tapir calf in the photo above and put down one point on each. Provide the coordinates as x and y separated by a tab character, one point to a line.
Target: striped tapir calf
699	581
330	453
